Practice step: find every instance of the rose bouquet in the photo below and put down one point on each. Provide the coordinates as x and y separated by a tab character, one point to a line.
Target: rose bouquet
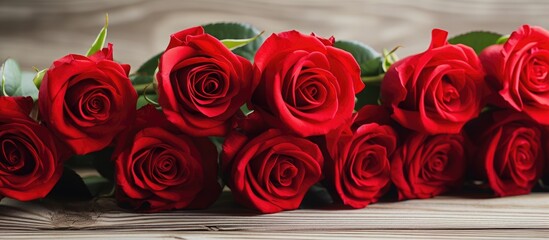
273	117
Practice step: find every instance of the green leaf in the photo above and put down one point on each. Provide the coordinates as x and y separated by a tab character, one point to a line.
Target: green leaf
103	163
226	30
370	95
70	187
17	83
317	197
98	185
145	73
478	40
147	99
100	39
37	80
389	57
4	93
503	39
143	80
100	160
218	142
368	59
233	44
244	108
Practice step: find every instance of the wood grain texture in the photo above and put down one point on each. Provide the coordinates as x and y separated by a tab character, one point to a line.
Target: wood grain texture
442	217
36	32
323	235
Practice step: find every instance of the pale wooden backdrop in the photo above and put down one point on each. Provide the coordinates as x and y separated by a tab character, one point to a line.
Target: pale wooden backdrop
35	32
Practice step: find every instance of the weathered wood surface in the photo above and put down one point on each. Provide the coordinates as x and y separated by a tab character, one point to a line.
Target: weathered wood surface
36	32
441	217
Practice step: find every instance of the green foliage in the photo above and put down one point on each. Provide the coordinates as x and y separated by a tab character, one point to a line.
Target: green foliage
145	73
503	39
235	31
100	39
233	44
369	60
90	186
478	40
37	80
17	83
70	187
372	67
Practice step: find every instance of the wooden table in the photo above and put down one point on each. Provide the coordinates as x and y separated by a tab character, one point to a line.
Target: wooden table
36	32
445	217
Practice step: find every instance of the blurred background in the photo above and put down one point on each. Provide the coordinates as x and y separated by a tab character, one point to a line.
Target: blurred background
36	32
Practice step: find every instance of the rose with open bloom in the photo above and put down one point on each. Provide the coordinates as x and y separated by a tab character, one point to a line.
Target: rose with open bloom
270	172
510	153
306	86
201	83
158	168
30	162
425	166
357	167
517	72
436	91
87	101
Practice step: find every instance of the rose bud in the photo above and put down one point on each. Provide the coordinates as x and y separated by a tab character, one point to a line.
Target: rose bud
517	72
87	101
425	166
31	162
510	154
436	91
158	168
306	86
357	167
270	172
201	83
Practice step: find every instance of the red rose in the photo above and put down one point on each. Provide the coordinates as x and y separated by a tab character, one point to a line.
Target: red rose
306	86
158	168
372	114
30	164
426	166
517	72
87	101
271	172
201	83
357	169
510	153
436	91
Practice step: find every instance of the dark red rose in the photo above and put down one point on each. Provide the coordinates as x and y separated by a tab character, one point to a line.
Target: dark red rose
436	91
510	154
425	166
271	172
158	168
30	162
357	169
517	72
201	83
306	86
87	101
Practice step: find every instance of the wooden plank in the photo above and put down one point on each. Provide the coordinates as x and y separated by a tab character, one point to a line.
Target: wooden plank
36	32
446	212
328	235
